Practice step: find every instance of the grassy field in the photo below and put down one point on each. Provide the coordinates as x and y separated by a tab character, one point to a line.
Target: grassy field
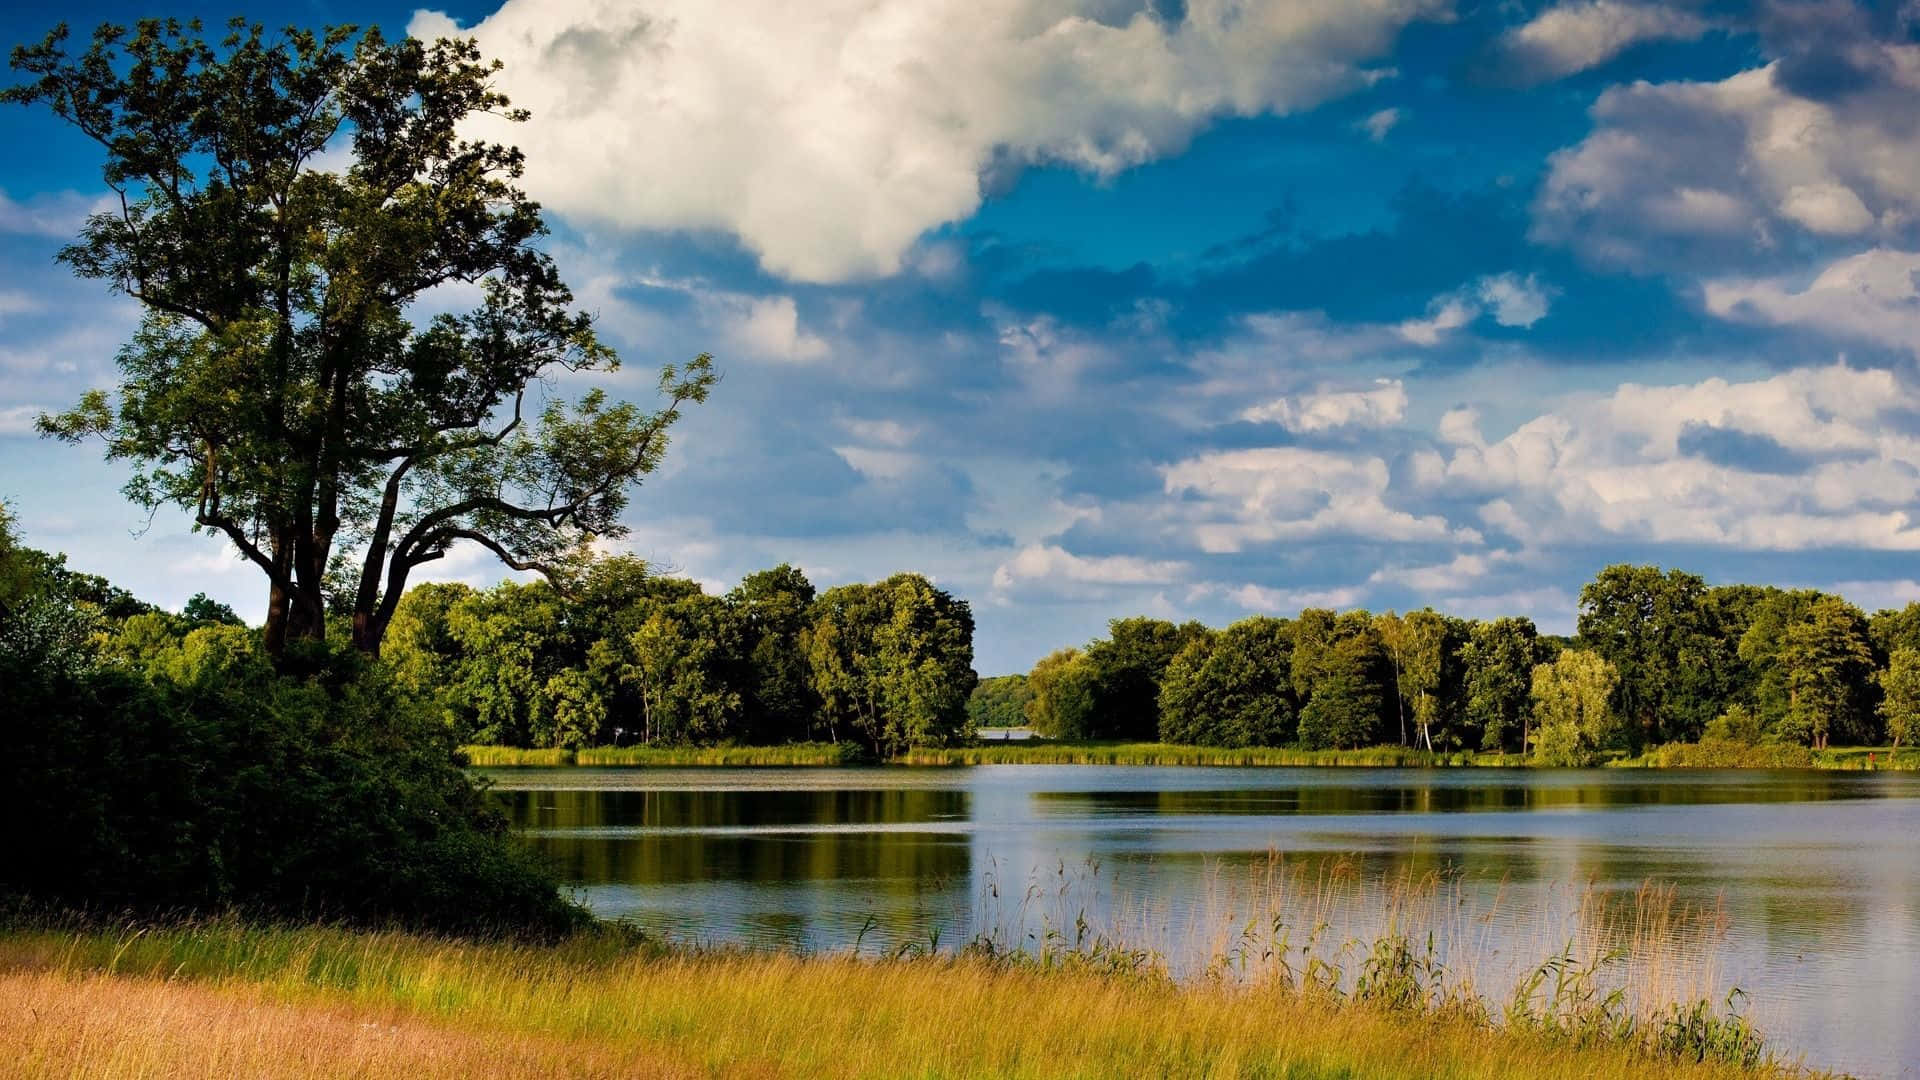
224	999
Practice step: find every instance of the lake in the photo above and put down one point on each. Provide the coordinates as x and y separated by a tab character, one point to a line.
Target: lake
1800	888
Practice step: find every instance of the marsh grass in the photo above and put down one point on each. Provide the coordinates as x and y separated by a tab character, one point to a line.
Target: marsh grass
794	754
1115	753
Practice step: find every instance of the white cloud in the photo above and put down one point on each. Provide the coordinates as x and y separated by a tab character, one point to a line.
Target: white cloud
1446	314
18	419
891	433
1378	124
54	214
1236	498
1511	299
1629	465
1325	410
1448	577
1716	173
830	136
1827	208
877	464
1581	34
1515	300
1050	564
1285	602
1870	296
770	326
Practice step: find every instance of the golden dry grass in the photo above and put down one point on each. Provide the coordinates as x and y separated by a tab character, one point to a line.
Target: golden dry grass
230	1000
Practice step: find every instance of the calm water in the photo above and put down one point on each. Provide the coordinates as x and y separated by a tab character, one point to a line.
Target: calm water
1818	874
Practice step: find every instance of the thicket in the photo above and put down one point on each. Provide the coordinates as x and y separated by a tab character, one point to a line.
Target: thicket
170	768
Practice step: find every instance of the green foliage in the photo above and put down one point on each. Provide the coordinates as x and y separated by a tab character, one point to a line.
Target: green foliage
1811	660
1573	709
201	608
772	607
999	702
1728	754
180	772
1062	701
1498	659
1739	725
1349	694
277	389
1900	705
892	663
1661	634
1128	665
1231	688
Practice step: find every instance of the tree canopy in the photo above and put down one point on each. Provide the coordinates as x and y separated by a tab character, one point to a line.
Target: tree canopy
296	213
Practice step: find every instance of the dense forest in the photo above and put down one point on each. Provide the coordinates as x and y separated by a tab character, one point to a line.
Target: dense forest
1658	657
627	657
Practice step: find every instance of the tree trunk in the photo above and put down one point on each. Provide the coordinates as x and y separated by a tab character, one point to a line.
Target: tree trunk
274	636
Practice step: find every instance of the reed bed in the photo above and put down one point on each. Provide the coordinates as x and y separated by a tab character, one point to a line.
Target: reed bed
795	754
225	998
1112	753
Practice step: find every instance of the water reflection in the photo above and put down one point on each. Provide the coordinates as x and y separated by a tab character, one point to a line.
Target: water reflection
1816	873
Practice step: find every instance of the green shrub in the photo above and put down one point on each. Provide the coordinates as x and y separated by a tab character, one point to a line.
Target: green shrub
198	778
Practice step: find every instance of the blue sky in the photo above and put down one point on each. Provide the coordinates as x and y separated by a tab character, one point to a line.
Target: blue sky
1197	310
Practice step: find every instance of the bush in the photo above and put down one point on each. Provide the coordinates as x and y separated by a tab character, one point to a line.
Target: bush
1727	754
196	778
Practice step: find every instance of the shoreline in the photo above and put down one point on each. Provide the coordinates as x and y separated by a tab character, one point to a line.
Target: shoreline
1041	752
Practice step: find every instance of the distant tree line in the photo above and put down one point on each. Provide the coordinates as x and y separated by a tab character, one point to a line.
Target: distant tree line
1658	657
627	657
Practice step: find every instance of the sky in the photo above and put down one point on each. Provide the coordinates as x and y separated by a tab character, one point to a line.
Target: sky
1196	310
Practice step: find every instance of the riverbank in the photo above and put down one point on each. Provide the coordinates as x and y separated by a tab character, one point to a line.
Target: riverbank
224	999
1048	752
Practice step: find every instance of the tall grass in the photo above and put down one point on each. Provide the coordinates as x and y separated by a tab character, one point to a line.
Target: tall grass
224	998
789	755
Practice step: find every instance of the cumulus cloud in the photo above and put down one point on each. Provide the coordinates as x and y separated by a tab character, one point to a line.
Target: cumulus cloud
829	137
1266	600
1512	300
1449	577
1234	499
1870	296
1325	410
1636	464
1708	175
1573	37
1051	565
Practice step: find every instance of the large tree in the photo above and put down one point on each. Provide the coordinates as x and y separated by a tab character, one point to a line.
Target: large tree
1498	658
287	209
1573	708
1658	631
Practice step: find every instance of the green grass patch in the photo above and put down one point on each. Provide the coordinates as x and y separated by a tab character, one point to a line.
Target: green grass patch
660	756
